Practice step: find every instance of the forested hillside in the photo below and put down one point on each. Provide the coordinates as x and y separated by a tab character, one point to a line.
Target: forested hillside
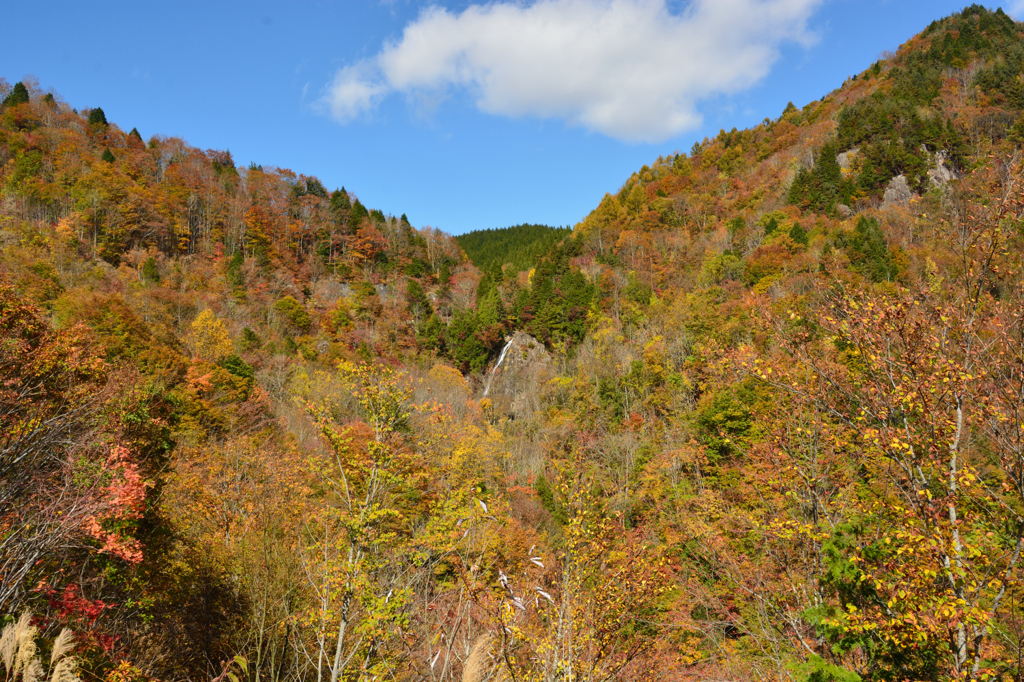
521	245
773	431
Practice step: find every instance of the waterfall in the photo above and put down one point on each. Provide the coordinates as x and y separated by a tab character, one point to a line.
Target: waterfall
501	359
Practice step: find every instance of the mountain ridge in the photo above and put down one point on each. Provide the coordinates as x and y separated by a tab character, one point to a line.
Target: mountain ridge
774	433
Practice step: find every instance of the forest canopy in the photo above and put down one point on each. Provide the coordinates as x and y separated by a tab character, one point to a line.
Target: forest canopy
757	416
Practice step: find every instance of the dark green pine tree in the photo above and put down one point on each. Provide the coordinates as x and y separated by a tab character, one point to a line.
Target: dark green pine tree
108	156
17	95
464	346
97	117
444	279
234	273
134	134
341	206
357	215
150	272
316	188
823	187
417	302
869	252
798	234
431	335
490	309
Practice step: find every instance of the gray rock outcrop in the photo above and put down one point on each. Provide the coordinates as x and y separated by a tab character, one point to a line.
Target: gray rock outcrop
897	193
846	158
943	171
513	385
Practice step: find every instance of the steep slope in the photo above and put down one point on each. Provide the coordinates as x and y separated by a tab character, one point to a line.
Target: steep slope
774	432
520	245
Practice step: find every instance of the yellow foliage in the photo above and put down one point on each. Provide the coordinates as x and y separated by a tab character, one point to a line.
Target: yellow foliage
208	337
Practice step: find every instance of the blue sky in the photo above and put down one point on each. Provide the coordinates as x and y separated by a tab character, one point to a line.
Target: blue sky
464	116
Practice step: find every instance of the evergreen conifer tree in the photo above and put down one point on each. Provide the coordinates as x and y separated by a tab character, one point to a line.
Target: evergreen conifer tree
341	205
417	301
357	214
316	188
108	156
798	234
869	252
234	270
97	117
150	272
17	95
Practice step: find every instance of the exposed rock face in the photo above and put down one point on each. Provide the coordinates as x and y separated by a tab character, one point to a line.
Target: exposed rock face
326	292
943	172
845	159
897	193
844	210
513	385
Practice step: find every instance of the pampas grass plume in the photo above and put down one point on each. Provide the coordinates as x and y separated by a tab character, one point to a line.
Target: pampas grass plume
66	670
9	646
33	672
475	669
63	644
26	638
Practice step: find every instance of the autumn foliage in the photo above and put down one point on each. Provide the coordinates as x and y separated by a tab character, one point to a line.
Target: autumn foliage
772	429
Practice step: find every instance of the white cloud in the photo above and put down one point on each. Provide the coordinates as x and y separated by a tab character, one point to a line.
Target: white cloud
631	69
353	91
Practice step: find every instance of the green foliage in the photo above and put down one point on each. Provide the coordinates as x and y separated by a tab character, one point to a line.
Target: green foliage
249	341
233	273
893	138
237	366
869	252
822	187
122	333
722	267
555	307
315	188
134	134
521	245
416	300
546	495
293	314
816	669
462	343
417	268
150	271
432	334
357	215
108	155
636	291
972	36
1016	132
97	118
341	205
17	95
798	234
725	423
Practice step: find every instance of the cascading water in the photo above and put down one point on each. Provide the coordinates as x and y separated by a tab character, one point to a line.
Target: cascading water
501	359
